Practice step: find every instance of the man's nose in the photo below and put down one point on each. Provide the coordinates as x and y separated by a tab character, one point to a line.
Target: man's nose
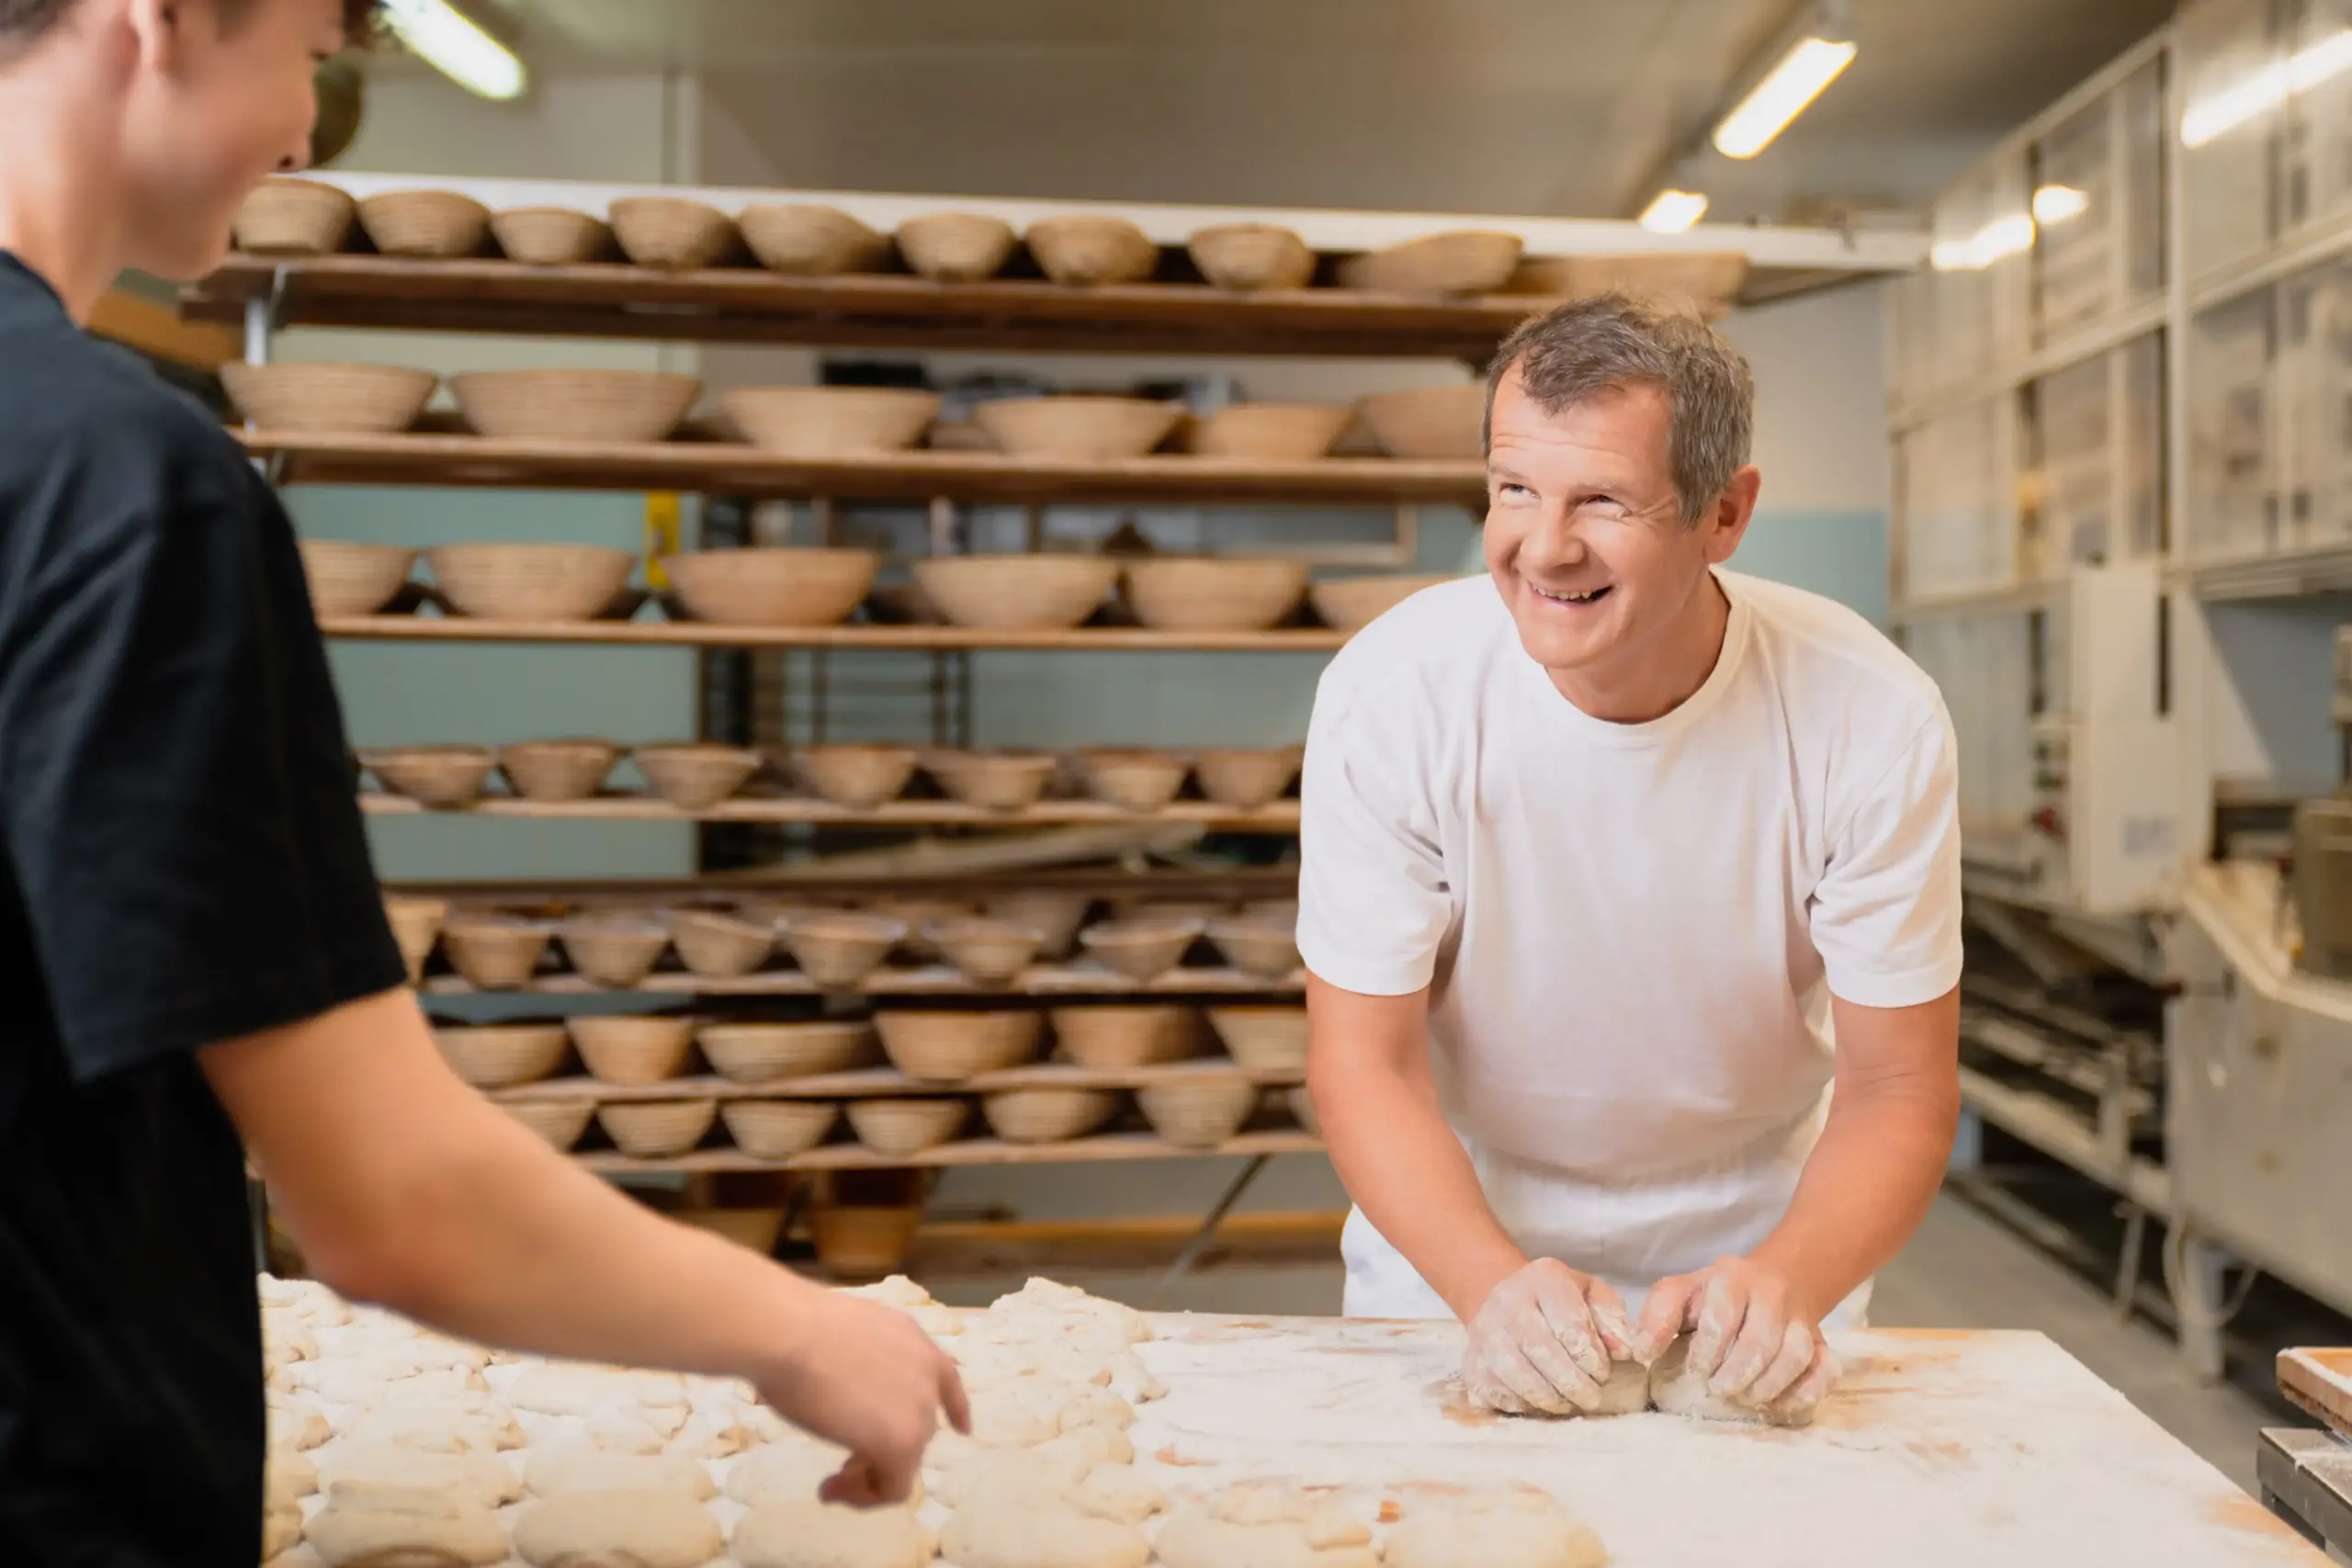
1554	541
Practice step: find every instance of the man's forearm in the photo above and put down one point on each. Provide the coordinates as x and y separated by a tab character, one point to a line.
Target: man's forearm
1865	1187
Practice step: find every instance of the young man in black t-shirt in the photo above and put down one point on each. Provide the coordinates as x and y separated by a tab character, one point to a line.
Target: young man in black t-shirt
192	953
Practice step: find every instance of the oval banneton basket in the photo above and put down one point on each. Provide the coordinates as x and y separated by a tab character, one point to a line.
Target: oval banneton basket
1260	948
1016	592
349	578
583	407
557	770
855	777
633	1051
719	946
441	777
615	950
550	236
1086	249
1462	261
416	930
900	1127
1435	425
1048	1115
917	914
830	422
771	586
956	247
1351	603
949	1047
1271	432
758	1053
1200	1113
1055	916
1201	593
494	953
673	232
363	399
1133	780
837	949
803	239
561	1122
529	581
985	952
1122	1036
428	223
501	1056
779	1129
658	1129
1708	279
1262	1039
993	781
695	775
1249	256
295	218
1246	778
1079	427
1142	948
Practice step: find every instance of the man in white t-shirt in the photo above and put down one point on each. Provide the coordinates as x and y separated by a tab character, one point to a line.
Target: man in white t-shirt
1598	849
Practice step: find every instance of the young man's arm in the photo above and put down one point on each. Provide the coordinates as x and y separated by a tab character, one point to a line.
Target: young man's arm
406	1187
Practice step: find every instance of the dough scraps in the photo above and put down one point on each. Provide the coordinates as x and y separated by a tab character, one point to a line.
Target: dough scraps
617	1530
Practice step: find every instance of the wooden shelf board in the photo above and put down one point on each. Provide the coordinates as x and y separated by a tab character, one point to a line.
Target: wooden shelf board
1280	817
699	634
1108	1146
732	468
935	980
870	311
868	1083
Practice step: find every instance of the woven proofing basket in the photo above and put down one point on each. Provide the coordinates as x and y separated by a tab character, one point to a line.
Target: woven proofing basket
1271	432
550	236
1466	261
949	1047
658	1129
985	952
915	914
1084	249
1117	1037
295	218
809	241
1351	603
1055	916
1200	1115
1142	948
772	586
1082	427
425	222
837	949
560	1121
529	583
720	947
501	1055
698	776
856	778
443	778
1428	423
1202	594
956	247
1048	1115
1251	255
779	1129
493	952
557	770
584	407
416	928
1709	279
1264	1039
830	422
1301	1108
347	578
1134	781
615	950
1262	949
633	1051
1246	778
672	232
993	781
902	1127
369	400
756	1052
1016	592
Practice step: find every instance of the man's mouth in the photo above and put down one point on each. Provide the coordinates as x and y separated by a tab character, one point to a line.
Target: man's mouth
1588	597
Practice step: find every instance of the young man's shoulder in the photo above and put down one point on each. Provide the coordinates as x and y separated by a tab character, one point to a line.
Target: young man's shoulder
71	402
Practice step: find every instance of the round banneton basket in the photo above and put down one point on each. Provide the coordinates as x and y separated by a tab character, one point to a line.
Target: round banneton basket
1464	261
1436	425
1203	594
1351	603
757	1053
672	232
561	1122
993	781
615	950
1271	432
417	928
501	1055
837	948
1260	948
1200	1113
1087	249
808	240
494	953
985	952
901	1127
633	1051
863	1241
721	946
949	1047
425	223
1246	778
1016	592
772	586
348	577
1264	1039
1048	1115
1122	1036
582	407
855	777
557	770
830	422
365	400
695	775
1251	256
915	914
295	218
956	247
1055	916
1079	427
1143	948
529	583
1302	1108
441	777
1133	780
658	1129
550	236
779	1129
1708	279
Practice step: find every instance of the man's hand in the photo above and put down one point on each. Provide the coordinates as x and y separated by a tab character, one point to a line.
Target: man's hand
1753	1335
1544	1340
866	1378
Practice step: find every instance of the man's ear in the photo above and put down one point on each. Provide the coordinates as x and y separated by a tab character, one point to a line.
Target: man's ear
160	30
1734	510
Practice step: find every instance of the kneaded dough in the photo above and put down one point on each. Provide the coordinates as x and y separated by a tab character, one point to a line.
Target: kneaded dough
791	1472
288	1477
1519	1529
1261	1526
1046	1299
709	1437
617	1530
1119	1492
479	1478
287	1331
367	1525
577	1389
1678	1389
296	1425
364	1381
440	1428
624	1432
1625	1392
281	1528
579	1466
897	1290
809	1534
1026	1533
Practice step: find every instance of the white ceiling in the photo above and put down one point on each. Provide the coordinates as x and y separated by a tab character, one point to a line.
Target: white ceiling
1567	106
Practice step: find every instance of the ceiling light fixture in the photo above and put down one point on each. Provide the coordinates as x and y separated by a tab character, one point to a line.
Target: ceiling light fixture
2211	117
2053	205
448	39
1808	66
1672	211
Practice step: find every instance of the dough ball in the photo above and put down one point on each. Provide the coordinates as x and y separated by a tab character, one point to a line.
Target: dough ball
443	1428
790	1473
809	1534
1119	1492
581	1466
1523	1529
1046	1298
897	1290
288	1477
364	1525
624	1432
617	1530
709	1437
1017	1532
479	1478
1679	1389
1017	1415
285	1331
1625	1392
296	1426
1029	1473
578	1389
1266	1527
281	1528
362	1381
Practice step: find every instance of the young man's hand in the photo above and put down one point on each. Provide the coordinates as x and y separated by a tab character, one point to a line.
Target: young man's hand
1544	1341
866	1377
1753	1334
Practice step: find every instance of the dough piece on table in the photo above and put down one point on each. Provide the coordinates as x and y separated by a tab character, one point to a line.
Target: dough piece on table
624	1432
1259	1525
617	1530
1016	1414
1492	1530
307	1299
1045	1298
295	1425
897	1290
1119	1492
1679	1389
1042	1470
288	1477
287	1330
281	1528
364	1526
479	1478
581	1466
428	1353
809	1534
571	1388
364	1381
709	1437
451	1428
1625	1392
766	1424
1027	1532
791	1472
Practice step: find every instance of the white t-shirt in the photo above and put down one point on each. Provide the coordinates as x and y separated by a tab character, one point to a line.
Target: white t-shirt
1631	931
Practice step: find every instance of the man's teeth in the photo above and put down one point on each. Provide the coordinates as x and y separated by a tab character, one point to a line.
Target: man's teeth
1587	597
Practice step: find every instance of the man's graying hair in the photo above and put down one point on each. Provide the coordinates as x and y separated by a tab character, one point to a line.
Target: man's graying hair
1613	340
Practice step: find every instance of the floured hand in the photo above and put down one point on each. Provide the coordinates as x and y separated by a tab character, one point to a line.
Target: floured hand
1753	1337
1542	1342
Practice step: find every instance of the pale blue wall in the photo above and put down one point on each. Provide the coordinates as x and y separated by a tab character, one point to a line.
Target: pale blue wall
1841	555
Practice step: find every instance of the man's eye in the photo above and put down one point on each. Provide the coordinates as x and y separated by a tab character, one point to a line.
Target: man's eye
1513	491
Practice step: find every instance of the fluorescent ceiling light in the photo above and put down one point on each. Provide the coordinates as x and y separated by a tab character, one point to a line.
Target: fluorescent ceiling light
448	39
2006	236
2217	115
1672	211
1796	82
2053	205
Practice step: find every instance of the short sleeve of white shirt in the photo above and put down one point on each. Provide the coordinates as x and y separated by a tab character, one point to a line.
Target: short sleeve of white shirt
1885	914
1374	906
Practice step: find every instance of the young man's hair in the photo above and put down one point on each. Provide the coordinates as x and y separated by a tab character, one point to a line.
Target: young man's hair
22	21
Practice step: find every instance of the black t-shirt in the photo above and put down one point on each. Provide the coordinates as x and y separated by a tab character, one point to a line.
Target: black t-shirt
182	862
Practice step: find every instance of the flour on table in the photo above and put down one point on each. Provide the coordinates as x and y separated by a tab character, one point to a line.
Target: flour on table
370	1525
1491	1529
639	1529
809	1534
